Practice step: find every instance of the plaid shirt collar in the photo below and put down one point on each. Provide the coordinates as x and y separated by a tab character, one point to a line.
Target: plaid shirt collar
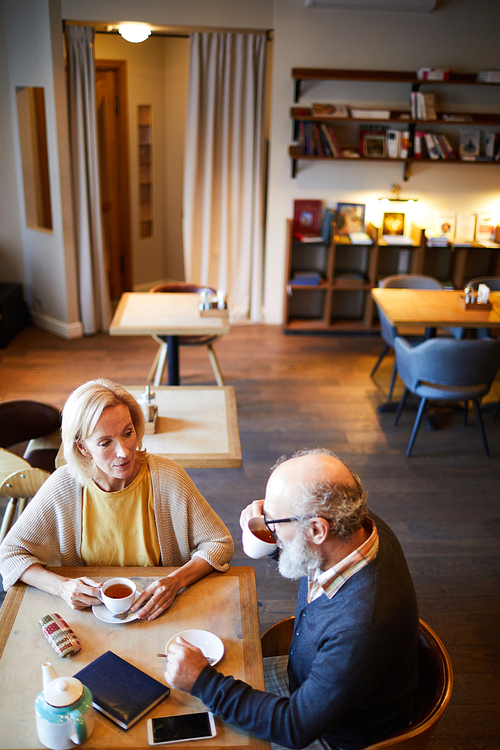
330	581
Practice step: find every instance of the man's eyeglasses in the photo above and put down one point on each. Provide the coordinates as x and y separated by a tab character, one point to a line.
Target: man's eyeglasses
270	523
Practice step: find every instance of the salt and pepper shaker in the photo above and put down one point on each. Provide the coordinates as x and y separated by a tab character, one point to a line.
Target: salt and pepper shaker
206	300
221	299
147	404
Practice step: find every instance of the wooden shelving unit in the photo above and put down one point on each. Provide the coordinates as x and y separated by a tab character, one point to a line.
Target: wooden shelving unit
397	117
341	302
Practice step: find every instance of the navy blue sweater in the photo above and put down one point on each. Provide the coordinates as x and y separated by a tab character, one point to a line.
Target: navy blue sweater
352	663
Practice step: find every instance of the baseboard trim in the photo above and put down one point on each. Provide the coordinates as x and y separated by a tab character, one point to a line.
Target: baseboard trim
58	327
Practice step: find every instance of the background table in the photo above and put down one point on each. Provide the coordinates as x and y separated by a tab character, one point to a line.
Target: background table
434	309
197	426
225	604
172	315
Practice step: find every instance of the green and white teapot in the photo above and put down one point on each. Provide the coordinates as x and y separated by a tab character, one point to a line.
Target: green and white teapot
64	712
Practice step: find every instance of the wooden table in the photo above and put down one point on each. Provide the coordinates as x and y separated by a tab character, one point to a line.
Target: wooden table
166	314
197	426
225	604
414	308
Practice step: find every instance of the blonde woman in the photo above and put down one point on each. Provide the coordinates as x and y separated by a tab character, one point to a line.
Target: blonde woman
113	505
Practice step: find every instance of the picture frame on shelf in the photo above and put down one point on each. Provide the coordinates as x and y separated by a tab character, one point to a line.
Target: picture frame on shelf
375	145
393	223
350	218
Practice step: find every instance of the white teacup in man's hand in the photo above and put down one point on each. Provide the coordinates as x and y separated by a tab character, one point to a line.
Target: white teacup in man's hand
257	540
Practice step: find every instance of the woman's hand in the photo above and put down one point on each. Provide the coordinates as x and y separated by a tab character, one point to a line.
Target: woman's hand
160	594
158	597
254	509
184	664
80	593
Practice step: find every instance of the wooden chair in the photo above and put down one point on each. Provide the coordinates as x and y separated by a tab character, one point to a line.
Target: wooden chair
434	690
19	482
158	366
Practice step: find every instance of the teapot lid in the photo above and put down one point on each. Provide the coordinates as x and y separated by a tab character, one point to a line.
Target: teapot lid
63	691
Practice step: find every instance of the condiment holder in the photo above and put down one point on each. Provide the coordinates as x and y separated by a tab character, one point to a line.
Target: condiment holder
149	409
472	300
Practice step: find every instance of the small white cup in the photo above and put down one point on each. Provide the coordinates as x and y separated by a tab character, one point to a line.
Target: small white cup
121	603
252	545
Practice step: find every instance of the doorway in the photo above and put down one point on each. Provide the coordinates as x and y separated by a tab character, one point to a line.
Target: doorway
111	107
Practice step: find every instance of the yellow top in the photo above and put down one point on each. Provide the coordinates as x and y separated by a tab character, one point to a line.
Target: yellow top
118	528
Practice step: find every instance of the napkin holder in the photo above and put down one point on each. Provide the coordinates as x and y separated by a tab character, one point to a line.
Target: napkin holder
474	305
150	426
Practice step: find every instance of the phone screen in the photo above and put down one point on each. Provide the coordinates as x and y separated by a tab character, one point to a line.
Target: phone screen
181	728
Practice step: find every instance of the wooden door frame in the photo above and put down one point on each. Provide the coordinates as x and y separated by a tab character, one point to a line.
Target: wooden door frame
119	67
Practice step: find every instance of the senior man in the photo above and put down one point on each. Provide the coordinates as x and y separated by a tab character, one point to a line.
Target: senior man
351	673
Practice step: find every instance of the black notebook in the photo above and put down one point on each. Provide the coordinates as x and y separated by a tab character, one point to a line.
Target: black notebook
119	690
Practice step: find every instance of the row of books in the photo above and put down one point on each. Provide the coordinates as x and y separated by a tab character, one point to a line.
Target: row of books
318	139
432	146
422	106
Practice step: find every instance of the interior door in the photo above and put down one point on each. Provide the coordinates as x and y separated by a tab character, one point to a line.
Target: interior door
111	108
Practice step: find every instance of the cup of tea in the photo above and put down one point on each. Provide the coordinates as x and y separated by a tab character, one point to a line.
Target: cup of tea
118	594
257	540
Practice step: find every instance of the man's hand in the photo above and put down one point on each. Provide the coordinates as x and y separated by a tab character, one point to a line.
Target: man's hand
184	664
254	509
80	593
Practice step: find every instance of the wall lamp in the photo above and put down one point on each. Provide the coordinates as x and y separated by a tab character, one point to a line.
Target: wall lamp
395	196
134	32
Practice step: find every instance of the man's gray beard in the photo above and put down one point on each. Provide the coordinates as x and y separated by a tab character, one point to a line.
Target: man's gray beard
297	558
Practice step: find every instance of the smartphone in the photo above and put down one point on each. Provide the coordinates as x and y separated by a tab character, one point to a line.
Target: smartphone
165	729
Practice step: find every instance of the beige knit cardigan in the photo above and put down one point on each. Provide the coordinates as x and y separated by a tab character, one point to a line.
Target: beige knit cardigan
49	531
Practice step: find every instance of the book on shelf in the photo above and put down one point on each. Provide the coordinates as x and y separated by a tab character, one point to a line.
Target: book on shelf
329	135
485	227
489	76
426	106
370	114
444	224
465	227
468	149
323	109
431	146
397	239
120	691
405	144
360	238
433	74
393	143
372	140
438	241
307	215
490	145
306	278
417	143
326	225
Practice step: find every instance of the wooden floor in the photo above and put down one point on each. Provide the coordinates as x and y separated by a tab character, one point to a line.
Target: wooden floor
307	391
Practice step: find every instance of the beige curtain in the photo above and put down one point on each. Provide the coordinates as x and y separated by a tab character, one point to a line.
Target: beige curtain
93	289
224	168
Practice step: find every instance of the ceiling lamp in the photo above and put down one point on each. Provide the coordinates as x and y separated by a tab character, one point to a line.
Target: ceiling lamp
134	32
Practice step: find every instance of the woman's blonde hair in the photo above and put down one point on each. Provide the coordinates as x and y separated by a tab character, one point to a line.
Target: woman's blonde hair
80	415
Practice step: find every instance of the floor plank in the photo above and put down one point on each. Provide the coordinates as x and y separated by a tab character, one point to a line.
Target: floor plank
311	390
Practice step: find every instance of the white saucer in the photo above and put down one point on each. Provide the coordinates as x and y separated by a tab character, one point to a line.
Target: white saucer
103	613
209	643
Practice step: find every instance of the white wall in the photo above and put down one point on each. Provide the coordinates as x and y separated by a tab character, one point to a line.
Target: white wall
11	257
459	34
35	58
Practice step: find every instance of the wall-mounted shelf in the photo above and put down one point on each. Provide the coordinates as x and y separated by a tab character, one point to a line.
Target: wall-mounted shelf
401	118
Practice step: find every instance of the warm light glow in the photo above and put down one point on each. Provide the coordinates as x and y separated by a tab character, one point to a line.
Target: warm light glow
134	32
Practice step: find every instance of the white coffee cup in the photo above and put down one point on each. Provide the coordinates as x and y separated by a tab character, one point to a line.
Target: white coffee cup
112	594
253	546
